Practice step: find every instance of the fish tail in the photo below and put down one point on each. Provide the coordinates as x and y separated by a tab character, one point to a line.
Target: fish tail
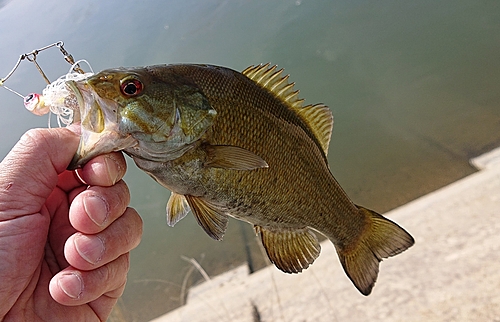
381	239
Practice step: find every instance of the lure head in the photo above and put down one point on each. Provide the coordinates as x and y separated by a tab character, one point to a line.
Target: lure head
35	104
143	111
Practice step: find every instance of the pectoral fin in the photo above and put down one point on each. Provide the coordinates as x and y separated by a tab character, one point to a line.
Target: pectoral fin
233	158
213	221
291	250
177	208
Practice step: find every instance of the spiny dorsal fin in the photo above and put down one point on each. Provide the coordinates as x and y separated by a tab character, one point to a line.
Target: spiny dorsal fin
318	116
272	80
291	250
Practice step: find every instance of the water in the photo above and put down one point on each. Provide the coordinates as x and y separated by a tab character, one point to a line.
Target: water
414	87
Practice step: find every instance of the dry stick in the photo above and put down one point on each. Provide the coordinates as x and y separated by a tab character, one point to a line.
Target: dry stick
275	287
198	267
208	280
184	285
155	280
324	294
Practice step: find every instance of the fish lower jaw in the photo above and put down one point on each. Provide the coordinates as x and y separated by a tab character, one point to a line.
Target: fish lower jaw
94	144
157	151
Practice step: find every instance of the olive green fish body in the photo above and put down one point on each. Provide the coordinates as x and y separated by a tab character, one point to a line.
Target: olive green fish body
243	145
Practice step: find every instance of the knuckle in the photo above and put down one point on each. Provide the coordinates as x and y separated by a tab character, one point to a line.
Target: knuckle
133	230
30	139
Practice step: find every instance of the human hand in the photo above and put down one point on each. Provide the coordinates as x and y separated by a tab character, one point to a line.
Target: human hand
64	245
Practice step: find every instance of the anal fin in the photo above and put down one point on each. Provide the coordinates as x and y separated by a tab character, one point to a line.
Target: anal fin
212	220
177	208
291	250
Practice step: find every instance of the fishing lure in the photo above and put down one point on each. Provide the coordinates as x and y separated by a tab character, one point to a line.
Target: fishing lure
56	98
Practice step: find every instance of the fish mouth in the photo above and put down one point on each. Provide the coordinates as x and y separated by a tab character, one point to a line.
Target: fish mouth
100	120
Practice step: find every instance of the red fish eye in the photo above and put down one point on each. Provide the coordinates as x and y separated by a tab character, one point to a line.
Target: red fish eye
132	87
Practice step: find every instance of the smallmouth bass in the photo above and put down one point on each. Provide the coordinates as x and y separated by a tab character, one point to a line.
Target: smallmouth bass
237	144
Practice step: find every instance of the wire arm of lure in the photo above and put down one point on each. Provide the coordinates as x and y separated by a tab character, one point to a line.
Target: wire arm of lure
32	58
56	97
69	58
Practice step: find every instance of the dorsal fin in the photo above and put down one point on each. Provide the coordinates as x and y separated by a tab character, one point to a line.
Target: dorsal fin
318	117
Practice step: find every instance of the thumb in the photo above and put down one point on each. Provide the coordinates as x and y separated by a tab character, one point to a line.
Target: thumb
28	174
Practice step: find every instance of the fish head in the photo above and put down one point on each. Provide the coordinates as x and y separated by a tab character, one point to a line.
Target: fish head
142	111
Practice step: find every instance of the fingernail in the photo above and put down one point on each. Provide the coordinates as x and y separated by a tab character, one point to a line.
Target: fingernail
96	208
113	169
91	248
71	284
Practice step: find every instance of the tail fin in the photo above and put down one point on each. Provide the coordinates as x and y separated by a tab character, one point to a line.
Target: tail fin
381	239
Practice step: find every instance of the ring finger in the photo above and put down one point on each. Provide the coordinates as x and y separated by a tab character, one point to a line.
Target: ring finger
87	252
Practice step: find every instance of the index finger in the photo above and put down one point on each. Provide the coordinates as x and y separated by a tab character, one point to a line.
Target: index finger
104	170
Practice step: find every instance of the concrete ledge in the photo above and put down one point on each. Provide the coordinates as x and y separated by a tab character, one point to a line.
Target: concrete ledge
451	274
488	160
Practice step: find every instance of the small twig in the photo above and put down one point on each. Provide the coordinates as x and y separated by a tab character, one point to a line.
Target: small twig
275	287
198	267
155	280
323	292
183	296
209	280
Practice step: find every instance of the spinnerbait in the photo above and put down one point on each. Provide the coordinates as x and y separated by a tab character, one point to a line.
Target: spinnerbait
56	97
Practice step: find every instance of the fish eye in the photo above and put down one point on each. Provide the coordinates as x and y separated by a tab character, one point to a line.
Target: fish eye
131	87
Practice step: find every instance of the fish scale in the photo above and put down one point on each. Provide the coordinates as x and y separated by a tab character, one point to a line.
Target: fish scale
241	145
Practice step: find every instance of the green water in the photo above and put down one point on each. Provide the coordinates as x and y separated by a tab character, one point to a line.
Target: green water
414	87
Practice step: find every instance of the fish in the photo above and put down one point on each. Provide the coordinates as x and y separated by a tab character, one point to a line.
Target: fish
239	144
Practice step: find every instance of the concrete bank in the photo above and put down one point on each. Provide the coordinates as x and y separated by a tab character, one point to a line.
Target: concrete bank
451	274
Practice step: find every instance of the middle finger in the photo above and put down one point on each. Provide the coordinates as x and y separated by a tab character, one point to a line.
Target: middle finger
97	207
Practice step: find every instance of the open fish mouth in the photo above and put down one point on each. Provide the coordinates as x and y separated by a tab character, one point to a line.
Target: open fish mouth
100	120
